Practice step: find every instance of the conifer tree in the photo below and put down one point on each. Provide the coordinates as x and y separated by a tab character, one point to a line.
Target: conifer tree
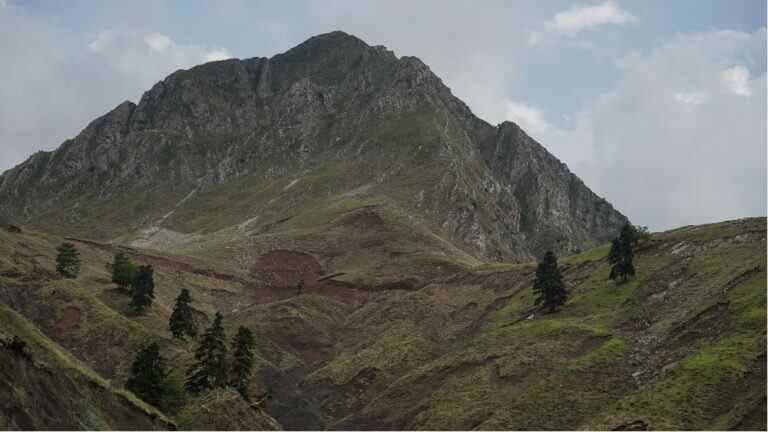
147	376
549	284
210	368
123	270
621	255
182	322
640	232
143	289
242	361
68	260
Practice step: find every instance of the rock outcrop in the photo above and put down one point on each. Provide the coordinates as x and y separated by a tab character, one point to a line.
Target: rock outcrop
374	121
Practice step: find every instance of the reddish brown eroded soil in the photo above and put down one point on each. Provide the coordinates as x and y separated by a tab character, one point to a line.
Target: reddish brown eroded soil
70	318
285	268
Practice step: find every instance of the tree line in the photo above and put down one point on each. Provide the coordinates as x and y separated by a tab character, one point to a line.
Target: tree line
150	378
212	368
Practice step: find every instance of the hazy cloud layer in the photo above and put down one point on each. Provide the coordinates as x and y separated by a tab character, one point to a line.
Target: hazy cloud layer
682	138
54	83
672	133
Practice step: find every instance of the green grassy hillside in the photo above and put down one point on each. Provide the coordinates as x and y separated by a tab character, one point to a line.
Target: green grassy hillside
381	338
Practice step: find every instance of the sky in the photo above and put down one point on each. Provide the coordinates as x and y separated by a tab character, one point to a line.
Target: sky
659	106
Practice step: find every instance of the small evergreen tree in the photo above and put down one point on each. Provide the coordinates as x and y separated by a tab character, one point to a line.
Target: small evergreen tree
182	322
210	368
549	284
68	260
143	289
299	287
123	270
147	377
242	361
640	232
621	255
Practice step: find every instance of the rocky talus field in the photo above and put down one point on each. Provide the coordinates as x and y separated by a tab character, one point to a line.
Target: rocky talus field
415	228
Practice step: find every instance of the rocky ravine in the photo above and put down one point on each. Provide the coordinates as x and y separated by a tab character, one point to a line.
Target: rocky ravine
331	117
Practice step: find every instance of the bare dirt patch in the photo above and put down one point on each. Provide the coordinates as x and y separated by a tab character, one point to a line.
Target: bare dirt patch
285	268
70	318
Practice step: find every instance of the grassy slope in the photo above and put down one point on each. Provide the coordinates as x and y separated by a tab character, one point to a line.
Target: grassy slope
679	346
53	389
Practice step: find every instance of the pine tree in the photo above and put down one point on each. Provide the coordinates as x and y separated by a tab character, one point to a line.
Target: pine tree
299	287
68	260
549	284
621	255
123	271
143	289
210	369
640	232
147	377
182	322
242	361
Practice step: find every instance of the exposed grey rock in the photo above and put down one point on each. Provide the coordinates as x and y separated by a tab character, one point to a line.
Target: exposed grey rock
492	190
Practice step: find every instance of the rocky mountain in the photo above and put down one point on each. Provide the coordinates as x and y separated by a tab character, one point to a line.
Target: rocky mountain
332	119
412	226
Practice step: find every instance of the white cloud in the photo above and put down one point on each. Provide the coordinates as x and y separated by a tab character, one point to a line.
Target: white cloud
103	39
569	23
666	145
218	54
158	42
584	17
142	58
691	98
3	3
62	80
528	117
736	80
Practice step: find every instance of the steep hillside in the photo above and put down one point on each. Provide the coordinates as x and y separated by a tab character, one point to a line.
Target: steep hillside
680	346
331	122
44	387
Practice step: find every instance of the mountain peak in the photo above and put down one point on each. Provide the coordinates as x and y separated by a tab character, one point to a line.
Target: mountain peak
334	37
329	118
325	44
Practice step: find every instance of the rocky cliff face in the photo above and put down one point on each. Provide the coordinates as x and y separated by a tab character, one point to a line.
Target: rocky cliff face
375	125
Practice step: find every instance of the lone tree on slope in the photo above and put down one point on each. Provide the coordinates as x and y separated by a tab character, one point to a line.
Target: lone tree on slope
182	322
123	270
242	361
640	232
210	368
143	289
148	374
68	260
549	284
621	255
